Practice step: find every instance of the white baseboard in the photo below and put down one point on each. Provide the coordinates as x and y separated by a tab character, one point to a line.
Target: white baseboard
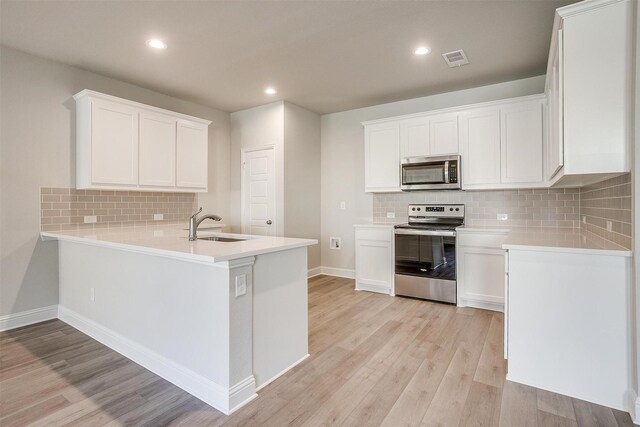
482	303
600	402
29	317
338	272
373	288
635	408
279	374
222	398
313	272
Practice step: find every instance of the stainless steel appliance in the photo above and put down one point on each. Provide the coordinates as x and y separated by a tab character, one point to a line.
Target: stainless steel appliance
430	173
425	252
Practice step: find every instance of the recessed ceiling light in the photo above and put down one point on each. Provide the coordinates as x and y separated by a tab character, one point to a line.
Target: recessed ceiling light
421	50
156	44
270	91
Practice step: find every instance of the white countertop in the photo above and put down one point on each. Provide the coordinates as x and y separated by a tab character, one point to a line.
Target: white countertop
553	239
172	241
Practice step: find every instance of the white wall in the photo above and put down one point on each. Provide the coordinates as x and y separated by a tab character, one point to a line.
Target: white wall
257	127
37	140
295	134
342	153
302	177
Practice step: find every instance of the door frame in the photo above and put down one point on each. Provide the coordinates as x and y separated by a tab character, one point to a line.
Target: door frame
243	155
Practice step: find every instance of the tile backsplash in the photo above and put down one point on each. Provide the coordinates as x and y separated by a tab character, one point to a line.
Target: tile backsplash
65	208
553	207
609	200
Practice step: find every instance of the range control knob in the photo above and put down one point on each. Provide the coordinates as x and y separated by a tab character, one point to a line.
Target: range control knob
413	209
418	209
457	209
450	209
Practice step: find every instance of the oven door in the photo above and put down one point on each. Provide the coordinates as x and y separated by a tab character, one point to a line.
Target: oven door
425	266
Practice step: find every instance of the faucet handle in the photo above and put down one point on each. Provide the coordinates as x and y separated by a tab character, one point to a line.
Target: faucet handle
196	214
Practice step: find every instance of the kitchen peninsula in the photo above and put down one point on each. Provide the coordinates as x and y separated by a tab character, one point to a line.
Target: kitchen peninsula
220	319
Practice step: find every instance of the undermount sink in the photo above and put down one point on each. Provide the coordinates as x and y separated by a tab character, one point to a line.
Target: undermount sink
221	239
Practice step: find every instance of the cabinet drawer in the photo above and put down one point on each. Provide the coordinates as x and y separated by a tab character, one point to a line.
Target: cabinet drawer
483	240
376	234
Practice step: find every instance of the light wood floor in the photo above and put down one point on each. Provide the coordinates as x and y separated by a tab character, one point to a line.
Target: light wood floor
375	360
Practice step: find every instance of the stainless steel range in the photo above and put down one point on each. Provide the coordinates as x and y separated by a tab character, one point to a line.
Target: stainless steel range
425	252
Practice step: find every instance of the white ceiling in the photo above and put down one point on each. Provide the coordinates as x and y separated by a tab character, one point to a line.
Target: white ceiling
326	56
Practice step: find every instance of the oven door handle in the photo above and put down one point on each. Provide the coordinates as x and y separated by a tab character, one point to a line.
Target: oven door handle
409	232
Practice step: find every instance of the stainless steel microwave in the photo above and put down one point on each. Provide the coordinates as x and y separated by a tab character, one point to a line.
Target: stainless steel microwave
430	173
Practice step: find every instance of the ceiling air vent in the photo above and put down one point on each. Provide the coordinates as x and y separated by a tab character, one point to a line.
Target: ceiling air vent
455	58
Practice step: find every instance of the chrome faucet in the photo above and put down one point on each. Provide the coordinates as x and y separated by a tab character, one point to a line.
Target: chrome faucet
194	222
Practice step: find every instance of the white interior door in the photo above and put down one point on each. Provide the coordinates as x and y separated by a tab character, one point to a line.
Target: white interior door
258	192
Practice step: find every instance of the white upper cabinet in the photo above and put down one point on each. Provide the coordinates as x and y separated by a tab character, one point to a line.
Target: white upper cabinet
500	143
555	146
122	144
157	150
480	146
432	135
192	155
414	137
114	147
443	134
521	140
382	157
593	79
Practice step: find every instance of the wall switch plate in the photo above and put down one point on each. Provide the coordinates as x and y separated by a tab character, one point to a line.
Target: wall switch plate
502	217
241	284
90	219
343	206
335	243
584	219
158	217
609	226
92	294
391	214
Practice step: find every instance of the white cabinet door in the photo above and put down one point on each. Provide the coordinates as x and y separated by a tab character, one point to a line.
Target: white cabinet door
114	143
521	142
555	145
191	156
481	277
157	150
374	259
382	157
480	146
596	75
414	137
443	134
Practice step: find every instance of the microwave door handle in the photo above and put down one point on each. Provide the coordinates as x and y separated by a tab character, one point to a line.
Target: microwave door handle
446	172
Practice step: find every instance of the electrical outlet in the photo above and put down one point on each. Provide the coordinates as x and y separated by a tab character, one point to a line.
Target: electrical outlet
335	243
609	226
90	219
158	217
241	284
584	219
391	214
92	294
502	217
343	206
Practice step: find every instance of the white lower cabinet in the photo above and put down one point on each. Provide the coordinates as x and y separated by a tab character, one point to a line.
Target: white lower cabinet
570	323
374	258
480	263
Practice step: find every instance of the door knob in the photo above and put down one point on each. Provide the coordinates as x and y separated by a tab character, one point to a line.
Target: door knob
269	222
